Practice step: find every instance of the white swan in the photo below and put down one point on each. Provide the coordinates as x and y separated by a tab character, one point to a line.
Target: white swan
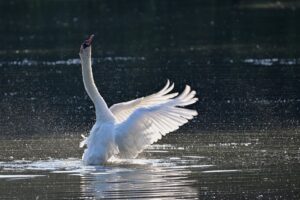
125	129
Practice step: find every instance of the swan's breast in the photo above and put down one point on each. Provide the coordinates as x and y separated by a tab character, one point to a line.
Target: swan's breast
101	145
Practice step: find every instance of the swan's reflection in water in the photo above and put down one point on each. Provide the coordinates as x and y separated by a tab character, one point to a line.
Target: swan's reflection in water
165	178
213	167
159	177
146	181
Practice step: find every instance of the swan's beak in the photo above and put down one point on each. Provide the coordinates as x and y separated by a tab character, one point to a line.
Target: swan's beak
88	42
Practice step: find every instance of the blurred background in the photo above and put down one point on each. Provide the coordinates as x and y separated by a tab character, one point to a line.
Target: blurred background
242	58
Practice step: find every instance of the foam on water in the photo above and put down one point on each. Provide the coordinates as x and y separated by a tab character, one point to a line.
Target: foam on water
75	165
126	178
19	176
222	171
41	165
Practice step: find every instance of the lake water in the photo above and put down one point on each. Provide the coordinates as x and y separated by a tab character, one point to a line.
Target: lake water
241	57
188	166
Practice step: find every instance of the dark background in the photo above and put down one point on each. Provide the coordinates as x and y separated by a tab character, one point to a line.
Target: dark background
242	58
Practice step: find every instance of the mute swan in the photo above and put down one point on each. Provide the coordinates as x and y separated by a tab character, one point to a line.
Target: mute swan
125	129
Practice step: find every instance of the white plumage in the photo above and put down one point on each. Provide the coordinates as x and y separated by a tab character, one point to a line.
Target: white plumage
125	129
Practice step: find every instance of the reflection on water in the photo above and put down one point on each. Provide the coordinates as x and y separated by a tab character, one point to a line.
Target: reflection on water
132	182
222	166
166	178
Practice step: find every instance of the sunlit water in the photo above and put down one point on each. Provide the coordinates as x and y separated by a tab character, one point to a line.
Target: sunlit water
189	166
241	57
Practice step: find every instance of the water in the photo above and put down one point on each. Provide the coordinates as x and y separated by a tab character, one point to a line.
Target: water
241	57
189	166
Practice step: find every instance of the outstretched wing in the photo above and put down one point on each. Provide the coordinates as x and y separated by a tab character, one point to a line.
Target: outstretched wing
148	124
123	110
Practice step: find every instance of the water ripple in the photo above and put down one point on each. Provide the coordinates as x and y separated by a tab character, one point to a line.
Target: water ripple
165	178
69	62
272	61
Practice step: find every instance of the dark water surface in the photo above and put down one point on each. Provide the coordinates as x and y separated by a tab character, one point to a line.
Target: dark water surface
241	57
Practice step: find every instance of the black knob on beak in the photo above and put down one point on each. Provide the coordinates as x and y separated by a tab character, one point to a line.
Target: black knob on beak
88	42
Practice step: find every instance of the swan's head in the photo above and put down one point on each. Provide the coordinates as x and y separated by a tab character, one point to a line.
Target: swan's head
85	49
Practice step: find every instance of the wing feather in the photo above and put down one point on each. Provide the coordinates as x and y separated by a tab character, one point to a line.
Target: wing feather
123	110
149	122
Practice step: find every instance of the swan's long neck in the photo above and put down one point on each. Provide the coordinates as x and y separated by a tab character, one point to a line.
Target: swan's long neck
102	111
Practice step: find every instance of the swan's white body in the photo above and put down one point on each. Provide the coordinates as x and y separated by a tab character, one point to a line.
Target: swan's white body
126	129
